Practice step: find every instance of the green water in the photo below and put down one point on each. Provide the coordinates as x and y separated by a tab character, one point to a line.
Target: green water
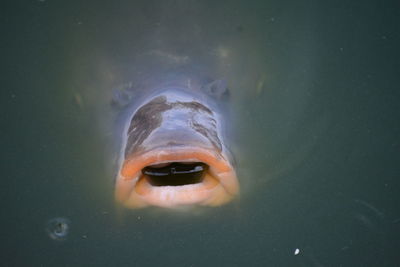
316	132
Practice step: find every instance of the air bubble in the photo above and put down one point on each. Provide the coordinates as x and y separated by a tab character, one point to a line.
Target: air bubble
58	228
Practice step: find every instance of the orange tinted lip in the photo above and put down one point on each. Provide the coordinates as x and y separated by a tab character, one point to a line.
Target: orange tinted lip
219	185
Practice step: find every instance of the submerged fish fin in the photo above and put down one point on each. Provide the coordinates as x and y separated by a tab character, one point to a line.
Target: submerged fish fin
217	89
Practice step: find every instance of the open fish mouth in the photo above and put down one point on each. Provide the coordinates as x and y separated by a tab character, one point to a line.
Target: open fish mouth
176	177
175	173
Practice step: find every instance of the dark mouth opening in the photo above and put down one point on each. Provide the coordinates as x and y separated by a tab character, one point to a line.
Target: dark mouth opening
175	173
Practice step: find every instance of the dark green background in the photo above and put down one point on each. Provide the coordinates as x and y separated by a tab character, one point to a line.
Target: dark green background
315	92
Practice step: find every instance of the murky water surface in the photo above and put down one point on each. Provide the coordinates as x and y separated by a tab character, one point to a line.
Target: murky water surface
314	130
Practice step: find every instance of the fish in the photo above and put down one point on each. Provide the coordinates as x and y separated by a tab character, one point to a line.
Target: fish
174	149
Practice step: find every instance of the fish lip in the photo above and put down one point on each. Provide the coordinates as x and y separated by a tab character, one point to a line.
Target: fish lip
220	184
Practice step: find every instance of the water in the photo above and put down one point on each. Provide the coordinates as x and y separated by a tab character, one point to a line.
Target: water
315	104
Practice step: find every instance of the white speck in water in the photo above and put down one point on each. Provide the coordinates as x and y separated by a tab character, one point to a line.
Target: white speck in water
296	251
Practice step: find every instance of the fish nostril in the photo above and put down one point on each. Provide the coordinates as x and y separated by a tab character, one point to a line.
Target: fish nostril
176	173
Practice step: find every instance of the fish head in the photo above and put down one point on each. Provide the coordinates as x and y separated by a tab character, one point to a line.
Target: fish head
173	153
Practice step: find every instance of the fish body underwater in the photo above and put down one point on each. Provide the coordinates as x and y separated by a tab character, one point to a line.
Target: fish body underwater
173	145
